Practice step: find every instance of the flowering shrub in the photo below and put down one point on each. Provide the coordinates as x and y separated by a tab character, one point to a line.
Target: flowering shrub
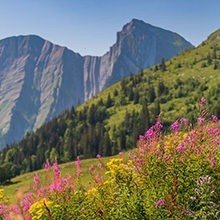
174	176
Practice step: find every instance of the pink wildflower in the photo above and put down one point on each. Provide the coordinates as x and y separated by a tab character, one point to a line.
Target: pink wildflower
214	131
3	210
15	209
182	147
184	121
175	126
158	126
141	137
78	162
47	165
27	201
121	153
98	156
78	166
214	118
91	169
200	120
149	134
159	202
56	169
36	181
100	165
203	101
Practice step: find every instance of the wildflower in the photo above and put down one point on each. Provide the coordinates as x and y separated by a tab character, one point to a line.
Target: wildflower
91	169
213	162
175	126
92	192
78	166
184	121
121	153
203	180
36	181
38	208
100	165
200	120
56	169
149	134
159	202
141	137
214	118
78	162
47	165
193	198
214	131
15	209
158	126
203	101
27	201
1	194
182	147
98	156
3	210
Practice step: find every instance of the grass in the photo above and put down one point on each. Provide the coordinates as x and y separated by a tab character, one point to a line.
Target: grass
24	183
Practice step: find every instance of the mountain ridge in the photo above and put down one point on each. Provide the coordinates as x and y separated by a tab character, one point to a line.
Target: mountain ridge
39	79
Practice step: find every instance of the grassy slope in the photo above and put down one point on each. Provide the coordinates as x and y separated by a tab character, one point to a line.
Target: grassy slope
24	183
175	107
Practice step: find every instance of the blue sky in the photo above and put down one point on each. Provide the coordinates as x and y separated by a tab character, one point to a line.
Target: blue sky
90	26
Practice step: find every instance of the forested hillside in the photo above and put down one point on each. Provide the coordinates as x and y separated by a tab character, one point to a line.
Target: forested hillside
112	121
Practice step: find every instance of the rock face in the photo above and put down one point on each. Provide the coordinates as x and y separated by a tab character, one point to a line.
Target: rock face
39	80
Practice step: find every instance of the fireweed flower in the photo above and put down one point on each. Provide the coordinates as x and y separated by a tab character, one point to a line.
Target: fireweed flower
214	118
200	120
203	101
121	153
78	166
47	165
149	134
98	156
175	126
3	210
184	121
157	127
36	181
27	201
141	137
159	202
15	209
91	169
182	147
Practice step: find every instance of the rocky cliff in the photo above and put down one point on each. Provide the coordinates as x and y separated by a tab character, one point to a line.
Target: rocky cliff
39	80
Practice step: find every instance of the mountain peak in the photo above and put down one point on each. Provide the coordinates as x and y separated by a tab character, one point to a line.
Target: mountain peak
39	80
134	24
214	36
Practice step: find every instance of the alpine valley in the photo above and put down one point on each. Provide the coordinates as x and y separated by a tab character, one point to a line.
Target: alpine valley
40	80
111	121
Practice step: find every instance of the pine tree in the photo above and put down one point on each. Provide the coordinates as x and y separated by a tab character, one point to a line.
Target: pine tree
109	101
107	145
163	65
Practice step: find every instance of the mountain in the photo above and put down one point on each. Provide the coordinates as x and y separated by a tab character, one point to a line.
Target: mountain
39	80
112	121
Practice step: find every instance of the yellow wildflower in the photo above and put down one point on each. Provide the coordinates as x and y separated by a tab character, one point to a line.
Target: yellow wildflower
38	209
1	194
